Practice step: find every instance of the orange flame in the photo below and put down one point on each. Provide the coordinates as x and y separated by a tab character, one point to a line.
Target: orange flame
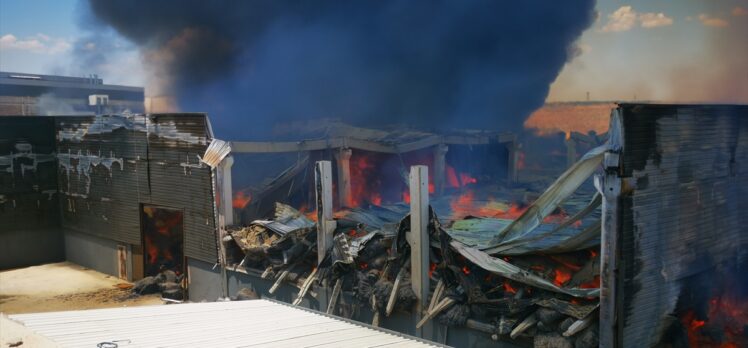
509	288
561	277
458	180
432	268
241	199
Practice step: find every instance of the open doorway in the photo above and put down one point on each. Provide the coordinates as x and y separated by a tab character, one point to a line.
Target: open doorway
163	239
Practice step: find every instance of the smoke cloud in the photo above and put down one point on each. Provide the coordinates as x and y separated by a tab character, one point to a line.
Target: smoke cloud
439	64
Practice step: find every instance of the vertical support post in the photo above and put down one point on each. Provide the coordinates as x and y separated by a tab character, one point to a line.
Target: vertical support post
440	167
343	159
571	150
512	154
609	255
325	223
227	193
418	237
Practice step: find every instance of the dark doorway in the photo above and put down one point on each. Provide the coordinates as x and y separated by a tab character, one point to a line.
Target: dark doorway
163	239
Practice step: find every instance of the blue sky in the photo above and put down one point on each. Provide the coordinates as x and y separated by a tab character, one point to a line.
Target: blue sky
638	48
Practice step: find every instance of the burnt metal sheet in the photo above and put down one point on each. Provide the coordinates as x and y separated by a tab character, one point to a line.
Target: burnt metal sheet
110	165
688	165
28	167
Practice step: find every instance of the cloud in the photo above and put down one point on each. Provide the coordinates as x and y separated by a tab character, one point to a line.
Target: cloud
739	11
38	43
622	19
626	18
653	20
710	21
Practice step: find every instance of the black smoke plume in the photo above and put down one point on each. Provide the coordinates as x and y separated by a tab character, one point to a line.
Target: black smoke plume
439	64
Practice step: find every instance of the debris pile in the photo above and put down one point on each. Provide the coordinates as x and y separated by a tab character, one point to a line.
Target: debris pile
526	277
168	283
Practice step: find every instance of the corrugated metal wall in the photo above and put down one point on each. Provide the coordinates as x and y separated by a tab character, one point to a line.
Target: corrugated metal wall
29	215
110	165
686	212
179	180
103	175
28	177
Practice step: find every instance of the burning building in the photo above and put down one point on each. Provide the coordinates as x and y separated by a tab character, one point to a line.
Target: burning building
641	242
49	95
124	195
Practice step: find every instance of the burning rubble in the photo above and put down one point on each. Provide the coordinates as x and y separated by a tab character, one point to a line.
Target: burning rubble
515	265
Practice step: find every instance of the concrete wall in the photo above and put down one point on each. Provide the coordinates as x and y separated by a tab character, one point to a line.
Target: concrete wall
92	252
204	281
20	248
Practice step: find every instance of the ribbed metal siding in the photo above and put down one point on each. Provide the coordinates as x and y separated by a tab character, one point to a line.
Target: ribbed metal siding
23	201
690	165
179	180
258	323
105	201
160	166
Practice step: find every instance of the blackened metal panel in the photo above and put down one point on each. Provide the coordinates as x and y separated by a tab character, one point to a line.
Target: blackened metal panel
179	180
29	214
103	174
28	180
686	166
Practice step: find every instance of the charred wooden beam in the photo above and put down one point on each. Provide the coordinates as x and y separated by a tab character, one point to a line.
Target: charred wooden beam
527	323
305	288
437	294
443	304
334	297
393	294
580	325
279	281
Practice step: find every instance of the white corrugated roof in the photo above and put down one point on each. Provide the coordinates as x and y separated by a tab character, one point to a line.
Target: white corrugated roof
258	323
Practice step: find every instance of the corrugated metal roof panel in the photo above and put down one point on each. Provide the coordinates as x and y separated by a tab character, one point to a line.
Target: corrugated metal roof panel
259	323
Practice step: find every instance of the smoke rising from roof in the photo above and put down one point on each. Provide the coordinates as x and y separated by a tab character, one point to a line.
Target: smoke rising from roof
437	64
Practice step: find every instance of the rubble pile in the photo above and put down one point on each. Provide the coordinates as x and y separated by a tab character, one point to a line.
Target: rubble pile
532	277
167	283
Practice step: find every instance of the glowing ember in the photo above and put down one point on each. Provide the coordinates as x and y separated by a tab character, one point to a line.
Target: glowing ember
561	277
432	268
465	270
363	265
241	199
508	288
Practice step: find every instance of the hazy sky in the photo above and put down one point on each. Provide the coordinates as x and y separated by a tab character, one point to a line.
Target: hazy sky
677	50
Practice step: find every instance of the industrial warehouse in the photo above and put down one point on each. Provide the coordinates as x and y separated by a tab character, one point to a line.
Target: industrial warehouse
148	198
373	174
